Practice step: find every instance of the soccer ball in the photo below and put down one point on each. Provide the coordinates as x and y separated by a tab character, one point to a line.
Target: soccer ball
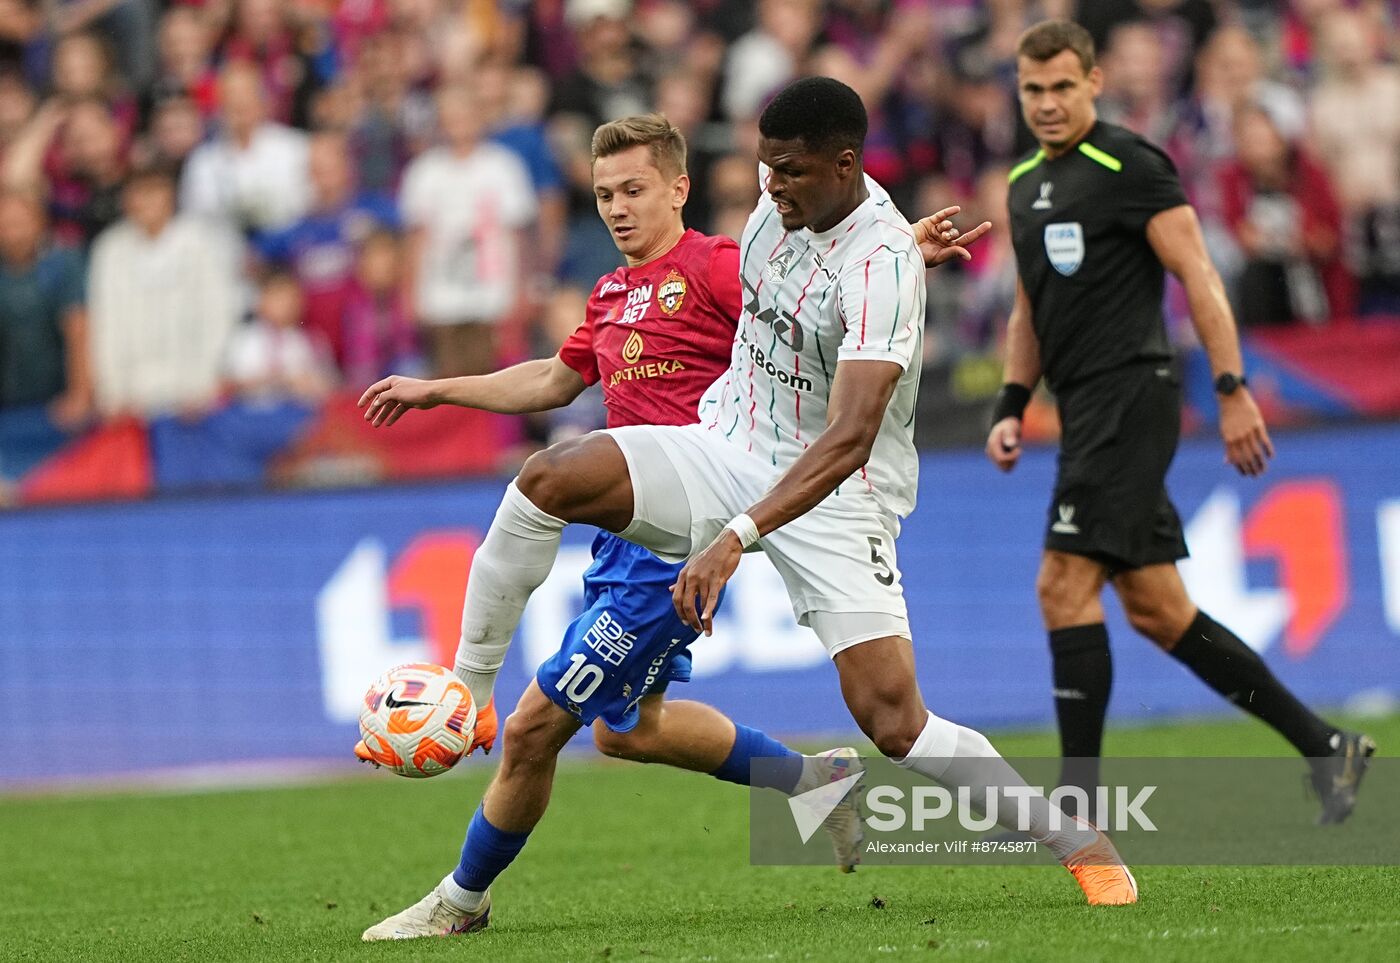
417	720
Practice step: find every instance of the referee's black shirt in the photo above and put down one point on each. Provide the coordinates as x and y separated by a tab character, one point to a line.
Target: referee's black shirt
1078	224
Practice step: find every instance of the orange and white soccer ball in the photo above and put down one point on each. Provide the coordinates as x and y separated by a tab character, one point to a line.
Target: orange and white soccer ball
417	720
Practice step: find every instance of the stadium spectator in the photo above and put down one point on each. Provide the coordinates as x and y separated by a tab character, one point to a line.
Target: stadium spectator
270	359
185	65
258	77
465	258
989	289
83	69
1299	28
43	324
1138	89
176	129
125	25
253	175
320	247
393	121
608	82
1179	28
512	104
1286	219
380	338
262	34
683	97
769	55
85	189
1355	115
163	300
1229	76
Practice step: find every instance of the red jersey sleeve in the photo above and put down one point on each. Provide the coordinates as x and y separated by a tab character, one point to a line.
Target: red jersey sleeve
723	280
578	351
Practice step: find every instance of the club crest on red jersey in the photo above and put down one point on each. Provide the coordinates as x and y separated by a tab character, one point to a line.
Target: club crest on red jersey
671	294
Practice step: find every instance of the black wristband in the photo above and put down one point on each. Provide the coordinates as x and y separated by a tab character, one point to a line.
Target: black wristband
1011	402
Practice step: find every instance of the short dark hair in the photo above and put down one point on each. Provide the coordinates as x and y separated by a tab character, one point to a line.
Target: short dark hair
1050	38
821	112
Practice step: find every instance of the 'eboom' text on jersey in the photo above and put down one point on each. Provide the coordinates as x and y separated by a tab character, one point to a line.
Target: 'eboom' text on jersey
797	382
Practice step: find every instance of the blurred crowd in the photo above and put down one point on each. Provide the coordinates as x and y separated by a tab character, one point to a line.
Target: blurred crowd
271	200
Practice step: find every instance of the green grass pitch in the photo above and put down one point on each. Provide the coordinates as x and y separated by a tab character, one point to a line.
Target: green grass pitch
631	863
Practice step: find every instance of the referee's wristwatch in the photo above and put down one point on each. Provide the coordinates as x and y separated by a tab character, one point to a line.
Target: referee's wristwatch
1229	382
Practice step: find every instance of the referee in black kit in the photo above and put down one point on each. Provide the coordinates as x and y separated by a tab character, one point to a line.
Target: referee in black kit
1097	214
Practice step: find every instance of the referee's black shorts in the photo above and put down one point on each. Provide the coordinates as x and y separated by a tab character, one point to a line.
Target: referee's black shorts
1119	432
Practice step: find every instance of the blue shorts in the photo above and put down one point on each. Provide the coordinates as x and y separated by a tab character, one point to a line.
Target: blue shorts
628	643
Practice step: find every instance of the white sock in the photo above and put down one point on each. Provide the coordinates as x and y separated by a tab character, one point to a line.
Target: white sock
514	558
463	900
959	757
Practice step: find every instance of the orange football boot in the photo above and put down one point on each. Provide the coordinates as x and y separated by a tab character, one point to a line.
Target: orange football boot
1101	873
484	734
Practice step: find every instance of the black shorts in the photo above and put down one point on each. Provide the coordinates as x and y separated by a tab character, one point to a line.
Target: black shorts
1119	435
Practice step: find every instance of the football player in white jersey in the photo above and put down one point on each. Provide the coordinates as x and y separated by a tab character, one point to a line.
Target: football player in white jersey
804	451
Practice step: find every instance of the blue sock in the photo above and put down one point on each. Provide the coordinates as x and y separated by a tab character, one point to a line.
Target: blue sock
781	769
486	853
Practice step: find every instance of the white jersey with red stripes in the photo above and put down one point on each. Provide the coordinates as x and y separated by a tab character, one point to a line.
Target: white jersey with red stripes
853	293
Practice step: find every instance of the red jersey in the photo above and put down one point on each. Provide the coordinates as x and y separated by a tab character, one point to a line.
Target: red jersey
657	335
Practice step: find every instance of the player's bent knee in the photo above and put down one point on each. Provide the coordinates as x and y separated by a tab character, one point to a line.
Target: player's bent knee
1065	599
525	735
891	722
577	479
545	480
620	745
1158	624
895	740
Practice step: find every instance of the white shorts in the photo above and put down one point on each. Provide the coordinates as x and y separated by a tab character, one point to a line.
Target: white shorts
837	561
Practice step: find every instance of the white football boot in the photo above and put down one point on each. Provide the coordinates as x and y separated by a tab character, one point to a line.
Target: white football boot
843	825
430	916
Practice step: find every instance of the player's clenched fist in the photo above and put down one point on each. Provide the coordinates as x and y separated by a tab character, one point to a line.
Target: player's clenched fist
387	400
1004	443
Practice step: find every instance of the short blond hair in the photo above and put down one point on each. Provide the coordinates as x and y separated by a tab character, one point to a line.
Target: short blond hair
654	131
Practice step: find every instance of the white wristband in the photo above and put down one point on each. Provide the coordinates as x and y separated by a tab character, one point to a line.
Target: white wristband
744	527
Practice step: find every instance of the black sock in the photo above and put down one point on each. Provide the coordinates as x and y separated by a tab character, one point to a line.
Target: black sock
1233	669
1083	672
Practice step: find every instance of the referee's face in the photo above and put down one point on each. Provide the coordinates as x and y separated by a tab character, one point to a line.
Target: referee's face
1057	99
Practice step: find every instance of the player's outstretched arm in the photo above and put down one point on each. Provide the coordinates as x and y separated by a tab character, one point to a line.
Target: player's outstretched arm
860	392
1175	236
939	239
1019	377
532	386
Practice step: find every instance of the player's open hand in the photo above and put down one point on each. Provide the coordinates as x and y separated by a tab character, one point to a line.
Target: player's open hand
387	400
696	592
1247	443
1004	443
940	240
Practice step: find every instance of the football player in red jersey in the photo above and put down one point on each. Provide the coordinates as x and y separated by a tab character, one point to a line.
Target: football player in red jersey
658	332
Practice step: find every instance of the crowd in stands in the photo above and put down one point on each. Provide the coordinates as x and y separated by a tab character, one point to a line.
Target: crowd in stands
275	202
